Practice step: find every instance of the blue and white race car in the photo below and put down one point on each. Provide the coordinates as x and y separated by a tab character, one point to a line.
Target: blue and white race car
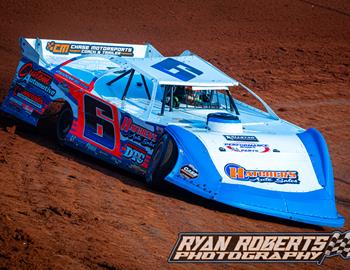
174	119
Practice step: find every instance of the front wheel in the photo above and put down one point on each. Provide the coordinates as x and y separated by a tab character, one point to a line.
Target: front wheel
163	160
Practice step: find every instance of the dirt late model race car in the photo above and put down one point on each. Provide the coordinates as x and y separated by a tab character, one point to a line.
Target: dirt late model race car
174	119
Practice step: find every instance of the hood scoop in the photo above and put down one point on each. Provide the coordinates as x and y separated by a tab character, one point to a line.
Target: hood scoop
224	122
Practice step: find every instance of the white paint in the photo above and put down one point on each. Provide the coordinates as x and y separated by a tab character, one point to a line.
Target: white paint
292	157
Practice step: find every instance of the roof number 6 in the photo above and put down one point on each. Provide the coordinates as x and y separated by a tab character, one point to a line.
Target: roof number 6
177	69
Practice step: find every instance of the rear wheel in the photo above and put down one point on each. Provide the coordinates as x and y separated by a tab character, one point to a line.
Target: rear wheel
162	162
64	124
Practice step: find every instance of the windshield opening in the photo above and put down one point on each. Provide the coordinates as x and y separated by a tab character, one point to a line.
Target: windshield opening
184	97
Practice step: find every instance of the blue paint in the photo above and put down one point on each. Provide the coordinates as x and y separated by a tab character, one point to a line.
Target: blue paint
177	69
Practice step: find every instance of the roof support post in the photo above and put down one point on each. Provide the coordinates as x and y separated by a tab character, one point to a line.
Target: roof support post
146	87
153	98
128	84
232	102
166	90
272	114
171	98
119	77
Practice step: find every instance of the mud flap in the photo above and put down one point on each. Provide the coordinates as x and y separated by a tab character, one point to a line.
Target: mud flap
194	169
19	109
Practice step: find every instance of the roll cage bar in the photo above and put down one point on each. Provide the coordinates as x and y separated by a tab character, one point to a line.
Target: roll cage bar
131	76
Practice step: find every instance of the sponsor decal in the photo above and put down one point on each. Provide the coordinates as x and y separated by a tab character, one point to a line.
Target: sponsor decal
76	48
20	105
241	138
136	154
36	77
71	78
34	100
15	103
237	172
248	147
260	247
189	172
137	133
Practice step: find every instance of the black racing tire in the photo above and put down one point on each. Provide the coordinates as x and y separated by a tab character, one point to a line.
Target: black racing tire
163	160
64	124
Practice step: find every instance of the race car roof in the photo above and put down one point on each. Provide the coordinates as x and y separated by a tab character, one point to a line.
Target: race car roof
181	70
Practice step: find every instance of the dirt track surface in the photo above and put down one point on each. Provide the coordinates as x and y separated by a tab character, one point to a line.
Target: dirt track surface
60	209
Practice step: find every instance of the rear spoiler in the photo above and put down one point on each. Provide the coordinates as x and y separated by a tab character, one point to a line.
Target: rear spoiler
54	52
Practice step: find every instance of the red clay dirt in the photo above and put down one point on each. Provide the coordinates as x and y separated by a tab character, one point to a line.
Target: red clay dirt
60	209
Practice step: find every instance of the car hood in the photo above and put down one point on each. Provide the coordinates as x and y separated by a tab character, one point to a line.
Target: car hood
265	161
287	175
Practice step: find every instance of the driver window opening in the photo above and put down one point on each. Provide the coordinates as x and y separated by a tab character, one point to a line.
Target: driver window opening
178	97
130	87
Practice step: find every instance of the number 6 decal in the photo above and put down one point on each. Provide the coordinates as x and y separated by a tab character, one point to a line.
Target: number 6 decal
177	69
99	124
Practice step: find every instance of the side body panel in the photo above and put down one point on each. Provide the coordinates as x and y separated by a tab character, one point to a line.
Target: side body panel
106	132
99	128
